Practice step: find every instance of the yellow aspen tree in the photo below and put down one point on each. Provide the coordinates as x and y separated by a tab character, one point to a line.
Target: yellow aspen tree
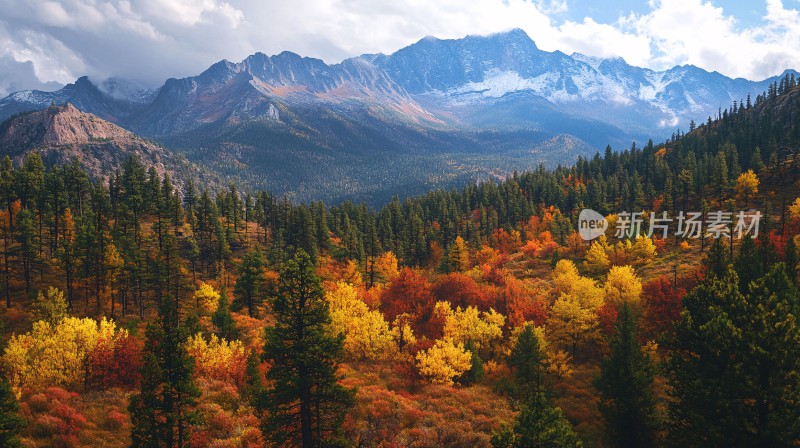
207	297
588	294
794	209
747	186
571	323
596	260
564	276
644	250
218	359
366	333
623	285
462	325
459	255
55	355
386	267
568	281
444	362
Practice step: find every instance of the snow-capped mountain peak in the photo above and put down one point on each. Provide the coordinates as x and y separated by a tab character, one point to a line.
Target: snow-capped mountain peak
473	81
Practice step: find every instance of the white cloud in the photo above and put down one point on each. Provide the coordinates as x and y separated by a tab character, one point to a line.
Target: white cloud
150	40
697	32
193	12
779	17
552	6
16	76
333	30
51	60
604	40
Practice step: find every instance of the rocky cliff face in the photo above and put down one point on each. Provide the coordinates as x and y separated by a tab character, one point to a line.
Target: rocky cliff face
63	126
62	134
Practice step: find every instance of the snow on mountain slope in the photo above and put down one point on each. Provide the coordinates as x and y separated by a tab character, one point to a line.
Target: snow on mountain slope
481	69
433	81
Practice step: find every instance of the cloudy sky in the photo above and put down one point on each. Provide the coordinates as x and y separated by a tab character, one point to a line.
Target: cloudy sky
46	43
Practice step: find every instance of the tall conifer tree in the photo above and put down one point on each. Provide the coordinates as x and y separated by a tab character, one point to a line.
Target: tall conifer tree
304	405
625	384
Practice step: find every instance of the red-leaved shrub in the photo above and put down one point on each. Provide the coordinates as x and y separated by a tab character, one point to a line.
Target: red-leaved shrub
116	363
50	415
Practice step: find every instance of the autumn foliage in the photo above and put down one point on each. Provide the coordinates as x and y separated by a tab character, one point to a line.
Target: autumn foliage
425	299
115	362
218	359
663	305
65	354
522	302
443	362
367	335
411	294
52	417
462	291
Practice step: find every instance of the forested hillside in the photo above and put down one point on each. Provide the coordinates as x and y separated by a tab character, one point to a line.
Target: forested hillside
143	313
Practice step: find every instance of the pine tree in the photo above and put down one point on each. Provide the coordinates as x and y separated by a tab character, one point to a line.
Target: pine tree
133	192
10	422
756	162
86	249
304	405
7	187
30	180
7	201
171	266
748	262
222	319
190	201
457	258
773	163
732	155
539	423
733	372
791	259
686	181
476	371
626	388
27	245
66	253
527	359
721	173
251	278
716	260
254	385
222	247
162	410
323	232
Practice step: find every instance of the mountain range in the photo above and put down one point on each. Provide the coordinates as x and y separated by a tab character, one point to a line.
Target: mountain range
436	113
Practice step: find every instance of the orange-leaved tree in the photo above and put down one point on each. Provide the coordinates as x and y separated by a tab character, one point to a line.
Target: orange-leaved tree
411	294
